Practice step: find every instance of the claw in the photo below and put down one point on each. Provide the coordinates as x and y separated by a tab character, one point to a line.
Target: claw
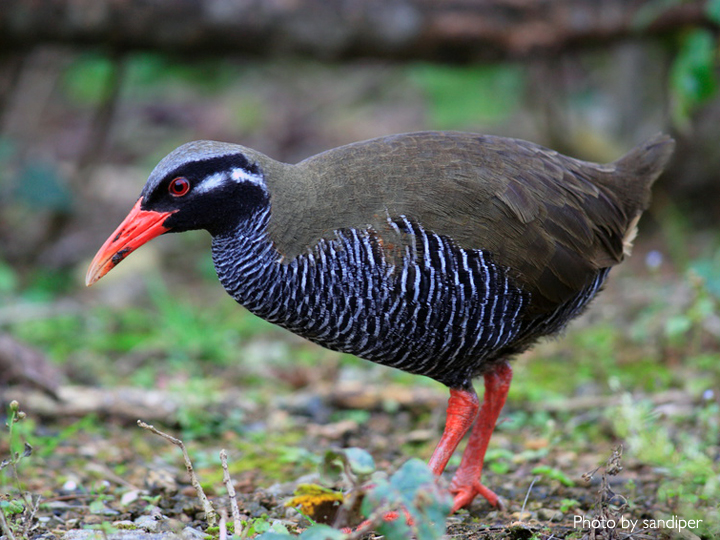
465	495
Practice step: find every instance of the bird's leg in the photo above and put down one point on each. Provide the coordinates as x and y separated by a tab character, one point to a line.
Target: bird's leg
461	412
466	482
462	409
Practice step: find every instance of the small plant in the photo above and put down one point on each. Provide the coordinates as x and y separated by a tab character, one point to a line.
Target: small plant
259	526
568	504
409	504
691	484
16	513
552	473
412	490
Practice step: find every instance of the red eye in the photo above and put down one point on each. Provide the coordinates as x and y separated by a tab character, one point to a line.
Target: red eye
179	186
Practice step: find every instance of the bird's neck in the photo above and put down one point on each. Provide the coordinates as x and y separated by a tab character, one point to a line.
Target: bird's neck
246	261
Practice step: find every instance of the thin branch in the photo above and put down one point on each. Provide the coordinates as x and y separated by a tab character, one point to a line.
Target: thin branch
210	513
222	533
237	523
527	495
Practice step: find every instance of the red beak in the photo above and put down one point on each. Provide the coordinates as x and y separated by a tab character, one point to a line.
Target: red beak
139	227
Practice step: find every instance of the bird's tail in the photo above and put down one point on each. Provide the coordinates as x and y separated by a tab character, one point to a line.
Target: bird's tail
641	167
638	170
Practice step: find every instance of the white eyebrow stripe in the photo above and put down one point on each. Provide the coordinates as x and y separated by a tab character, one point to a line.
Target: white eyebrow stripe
241	175
210	183
237	175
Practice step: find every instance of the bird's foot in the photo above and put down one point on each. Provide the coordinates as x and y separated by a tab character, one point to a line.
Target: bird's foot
465	494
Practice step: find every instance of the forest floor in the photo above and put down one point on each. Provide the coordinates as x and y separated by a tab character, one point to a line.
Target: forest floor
606	431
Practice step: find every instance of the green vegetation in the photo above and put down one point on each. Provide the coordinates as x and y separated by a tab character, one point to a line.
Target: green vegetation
614	380
618	361
411	493
691	477
18	507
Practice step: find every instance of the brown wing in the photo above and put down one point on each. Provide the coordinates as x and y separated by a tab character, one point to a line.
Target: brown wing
553	220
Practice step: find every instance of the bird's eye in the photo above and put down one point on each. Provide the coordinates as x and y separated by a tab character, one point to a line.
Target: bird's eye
179	186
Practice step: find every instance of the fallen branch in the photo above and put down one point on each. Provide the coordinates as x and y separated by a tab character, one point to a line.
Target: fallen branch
210	513
237	523
468	30
22	364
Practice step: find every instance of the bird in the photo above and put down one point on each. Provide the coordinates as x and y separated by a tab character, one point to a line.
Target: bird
443	254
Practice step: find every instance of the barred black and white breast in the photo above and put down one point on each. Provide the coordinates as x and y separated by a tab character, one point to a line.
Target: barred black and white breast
437	310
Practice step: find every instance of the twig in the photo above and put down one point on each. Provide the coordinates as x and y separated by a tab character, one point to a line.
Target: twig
33	510
527	495
210	513
605	514
237	524
222	532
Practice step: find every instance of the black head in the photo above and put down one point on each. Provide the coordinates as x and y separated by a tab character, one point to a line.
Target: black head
206	185
200	185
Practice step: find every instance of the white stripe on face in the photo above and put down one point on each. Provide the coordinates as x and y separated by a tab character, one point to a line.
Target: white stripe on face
241	175
210	183
237	175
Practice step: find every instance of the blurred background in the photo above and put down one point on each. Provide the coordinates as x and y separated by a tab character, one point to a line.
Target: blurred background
93	96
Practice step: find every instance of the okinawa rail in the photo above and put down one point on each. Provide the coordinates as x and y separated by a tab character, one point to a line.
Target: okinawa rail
438	253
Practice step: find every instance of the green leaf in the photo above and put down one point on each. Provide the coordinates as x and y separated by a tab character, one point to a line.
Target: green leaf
411	477
260	525
12	507
709	270
332	467
412	489
337	461
693	80
278	527
361	462
316	532
97	507
322	532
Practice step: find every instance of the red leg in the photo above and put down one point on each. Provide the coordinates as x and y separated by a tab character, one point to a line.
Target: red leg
466	482
461	412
